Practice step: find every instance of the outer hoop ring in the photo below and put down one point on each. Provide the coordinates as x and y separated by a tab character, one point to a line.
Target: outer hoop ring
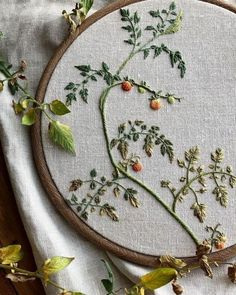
50	187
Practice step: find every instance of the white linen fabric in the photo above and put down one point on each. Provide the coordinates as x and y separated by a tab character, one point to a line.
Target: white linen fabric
33	30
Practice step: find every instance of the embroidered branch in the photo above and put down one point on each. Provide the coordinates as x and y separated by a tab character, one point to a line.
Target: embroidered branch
195	181
94	198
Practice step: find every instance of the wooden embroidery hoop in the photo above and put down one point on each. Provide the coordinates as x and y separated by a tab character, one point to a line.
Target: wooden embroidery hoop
58	201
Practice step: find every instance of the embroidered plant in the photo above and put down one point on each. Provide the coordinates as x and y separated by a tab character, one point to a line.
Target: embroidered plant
167	21
195	178
98	188
134	131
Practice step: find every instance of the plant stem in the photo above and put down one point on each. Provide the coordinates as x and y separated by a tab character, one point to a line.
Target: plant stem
102	104
30	274
187	185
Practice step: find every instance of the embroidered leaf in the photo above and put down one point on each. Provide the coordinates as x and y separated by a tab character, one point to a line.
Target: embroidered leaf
70	97
218	156
93	173
130	195
176	25
113	143
75	184
84	94
123	148
61	135
158	278
29	117
10	254
221	195
116	191
57	107
148	147
199	210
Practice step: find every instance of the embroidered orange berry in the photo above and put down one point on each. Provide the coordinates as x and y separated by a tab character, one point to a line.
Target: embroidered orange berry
155	104
137	167
126	86
219	245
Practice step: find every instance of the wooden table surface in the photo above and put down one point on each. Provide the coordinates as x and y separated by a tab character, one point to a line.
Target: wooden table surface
11	232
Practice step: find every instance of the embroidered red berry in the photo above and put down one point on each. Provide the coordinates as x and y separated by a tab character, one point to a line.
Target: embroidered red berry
219	245
126	86
155	104
137	167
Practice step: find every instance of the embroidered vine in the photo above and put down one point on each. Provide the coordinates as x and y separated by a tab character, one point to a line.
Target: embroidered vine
99	187
168	21
135	131
195	181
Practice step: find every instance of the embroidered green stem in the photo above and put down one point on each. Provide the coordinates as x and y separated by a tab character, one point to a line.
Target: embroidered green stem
118	169
187	185
195	195
92	199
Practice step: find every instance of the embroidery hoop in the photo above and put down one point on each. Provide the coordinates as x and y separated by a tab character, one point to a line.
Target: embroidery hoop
52	191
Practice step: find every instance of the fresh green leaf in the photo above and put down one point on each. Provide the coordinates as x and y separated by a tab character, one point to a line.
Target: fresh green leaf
57	107
62	135
86	6
108	285
158	278
29	117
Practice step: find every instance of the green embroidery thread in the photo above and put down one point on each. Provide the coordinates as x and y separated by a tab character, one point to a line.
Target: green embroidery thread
165	25
195	173
98	188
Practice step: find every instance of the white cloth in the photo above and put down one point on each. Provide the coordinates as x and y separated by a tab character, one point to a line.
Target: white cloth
33	31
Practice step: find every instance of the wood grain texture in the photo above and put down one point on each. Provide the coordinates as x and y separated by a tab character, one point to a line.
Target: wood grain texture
80	226
12	232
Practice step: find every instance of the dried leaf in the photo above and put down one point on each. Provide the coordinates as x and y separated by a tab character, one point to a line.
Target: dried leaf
205	266
232	273
168	260
10	254
178	290
19	278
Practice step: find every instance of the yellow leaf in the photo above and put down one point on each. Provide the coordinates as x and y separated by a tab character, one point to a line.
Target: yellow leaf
158	278
54	265
175	27
10	254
